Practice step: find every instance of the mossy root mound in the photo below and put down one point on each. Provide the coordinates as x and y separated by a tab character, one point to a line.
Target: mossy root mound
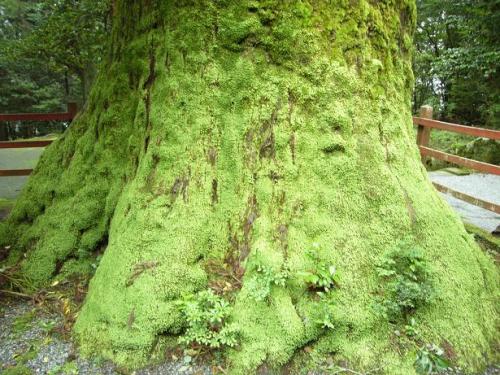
263	150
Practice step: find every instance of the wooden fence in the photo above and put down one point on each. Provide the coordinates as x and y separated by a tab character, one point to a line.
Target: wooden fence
62	116
425	124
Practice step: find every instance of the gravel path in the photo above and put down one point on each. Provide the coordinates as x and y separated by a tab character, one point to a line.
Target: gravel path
480	185
26	341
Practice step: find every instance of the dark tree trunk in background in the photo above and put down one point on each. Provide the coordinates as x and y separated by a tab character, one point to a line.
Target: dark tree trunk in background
4	134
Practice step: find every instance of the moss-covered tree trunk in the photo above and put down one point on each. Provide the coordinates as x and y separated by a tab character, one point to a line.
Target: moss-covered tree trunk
222	144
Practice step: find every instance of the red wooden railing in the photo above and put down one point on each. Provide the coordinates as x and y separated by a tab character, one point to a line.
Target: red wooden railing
426	124
63	116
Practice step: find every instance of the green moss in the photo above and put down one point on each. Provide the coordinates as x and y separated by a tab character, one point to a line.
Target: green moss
77	267
223	130
17	370
485	239
24	322
29	354
68	368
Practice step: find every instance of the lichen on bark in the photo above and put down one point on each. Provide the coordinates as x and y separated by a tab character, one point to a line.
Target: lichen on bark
231	131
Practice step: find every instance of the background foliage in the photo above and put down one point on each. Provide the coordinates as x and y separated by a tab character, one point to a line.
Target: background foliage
457	60
50	51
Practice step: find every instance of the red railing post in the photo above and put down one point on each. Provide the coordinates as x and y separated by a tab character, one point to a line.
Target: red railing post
423	132
72	109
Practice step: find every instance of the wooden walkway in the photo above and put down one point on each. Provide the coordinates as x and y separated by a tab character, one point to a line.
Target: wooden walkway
480	185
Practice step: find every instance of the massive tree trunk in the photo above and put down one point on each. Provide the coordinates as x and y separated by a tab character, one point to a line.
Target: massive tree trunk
222	142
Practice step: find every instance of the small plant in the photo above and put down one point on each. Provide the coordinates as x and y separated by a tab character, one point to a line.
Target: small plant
206	316
68	368
24	322
323	278
406	283
47	325
259	286
431	360
325	317
411	329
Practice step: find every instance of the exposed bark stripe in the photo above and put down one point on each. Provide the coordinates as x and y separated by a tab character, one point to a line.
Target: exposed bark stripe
468	163
139	269
468	198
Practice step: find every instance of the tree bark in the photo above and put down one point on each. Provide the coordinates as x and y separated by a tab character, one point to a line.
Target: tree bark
225	136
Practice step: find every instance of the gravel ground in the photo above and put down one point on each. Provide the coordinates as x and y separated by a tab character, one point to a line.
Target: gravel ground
52	355
480	185
49	353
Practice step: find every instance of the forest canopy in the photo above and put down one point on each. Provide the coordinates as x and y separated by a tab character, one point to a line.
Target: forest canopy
51	50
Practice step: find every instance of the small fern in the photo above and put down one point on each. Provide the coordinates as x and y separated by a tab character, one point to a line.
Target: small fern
260	284
405	283
206	317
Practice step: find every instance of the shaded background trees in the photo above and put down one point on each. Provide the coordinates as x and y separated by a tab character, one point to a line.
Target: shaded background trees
50	53
457	72
51	50
458	59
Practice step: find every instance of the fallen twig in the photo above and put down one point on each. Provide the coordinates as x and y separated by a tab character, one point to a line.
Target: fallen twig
340	369
139	269
18	294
